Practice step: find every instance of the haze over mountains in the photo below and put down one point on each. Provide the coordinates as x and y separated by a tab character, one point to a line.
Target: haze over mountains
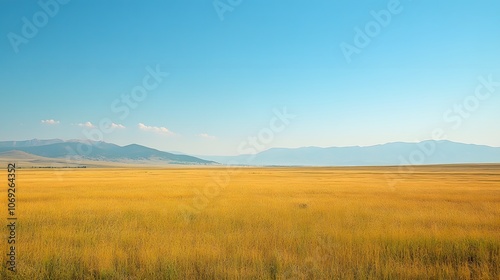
75	151
56	152
426	152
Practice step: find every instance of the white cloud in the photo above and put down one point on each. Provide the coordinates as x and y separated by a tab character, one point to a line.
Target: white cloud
155	129
117	126
87	125
50	122
207	136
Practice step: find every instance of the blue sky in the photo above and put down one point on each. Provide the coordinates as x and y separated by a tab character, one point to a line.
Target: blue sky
227	76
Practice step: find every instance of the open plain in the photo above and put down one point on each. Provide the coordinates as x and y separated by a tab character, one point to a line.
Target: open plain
429	222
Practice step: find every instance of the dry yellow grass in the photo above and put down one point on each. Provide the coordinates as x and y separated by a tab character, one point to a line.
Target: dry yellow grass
277	223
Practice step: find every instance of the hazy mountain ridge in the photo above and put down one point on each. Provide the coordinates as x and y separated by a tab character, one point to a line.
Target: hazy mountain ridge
74	151
398	153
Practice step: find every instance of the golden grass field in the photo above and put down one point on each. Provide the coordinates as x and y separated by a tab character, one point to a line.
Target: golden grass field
438	222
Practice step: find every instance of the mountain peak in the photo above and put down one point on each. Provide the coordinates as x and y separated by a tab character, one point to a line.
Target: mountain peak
396	153
100	151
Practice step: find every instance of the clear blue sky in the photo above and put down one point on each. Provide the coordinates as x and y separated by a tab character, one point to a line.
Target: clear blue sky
227	76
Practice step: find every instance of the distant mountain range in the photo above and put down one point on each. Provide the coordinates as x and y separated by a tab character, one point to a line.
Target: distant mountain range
56	152
426	152
74	151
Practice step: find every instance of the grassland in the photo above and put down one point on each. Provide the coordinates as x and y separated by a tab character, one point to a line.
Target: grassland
438	222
